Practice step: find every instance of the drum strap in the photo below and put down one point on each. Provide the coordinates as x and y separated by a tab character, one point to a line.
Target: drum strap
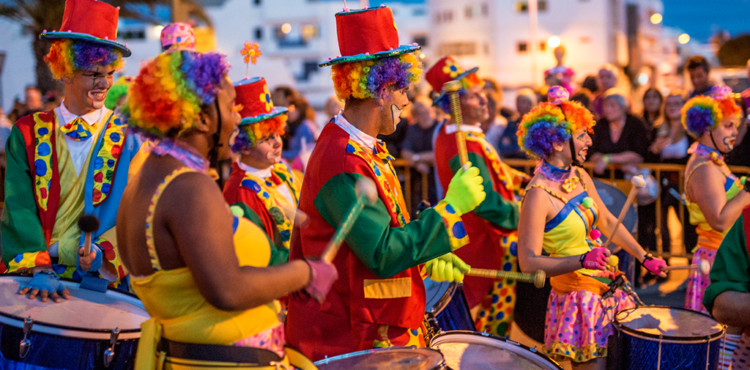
217	353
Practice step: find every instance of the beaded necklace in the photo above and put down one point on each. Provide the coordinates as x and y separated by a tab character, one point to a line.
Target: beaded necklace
569	183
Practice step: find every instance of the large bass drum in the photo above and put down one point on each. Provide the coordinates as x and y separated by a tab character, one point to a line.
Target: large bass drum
92	330
465	350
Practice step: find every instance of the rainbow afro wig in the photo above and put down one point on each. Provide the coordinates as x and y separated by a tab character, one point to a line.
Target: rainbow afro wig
553	122
371	78
66	57
702	113
443	101
249	135
170	91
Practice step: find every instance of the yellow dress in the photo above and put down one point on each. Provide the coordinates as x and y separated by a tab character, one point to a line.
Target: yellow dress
180	313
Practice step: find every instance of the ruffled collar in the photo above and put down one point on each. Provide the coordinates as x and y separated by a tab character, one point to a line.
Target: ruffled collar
560	175
183	153
710	153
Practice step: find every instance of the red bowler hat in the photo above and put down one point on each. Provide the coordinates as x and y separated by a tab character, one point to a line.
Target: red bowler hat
256	101
367	34
446	70
89	20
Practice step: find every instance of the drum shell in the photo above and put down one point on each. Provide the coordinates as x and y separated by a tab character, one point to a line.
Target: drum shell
58	352
450	313
343	361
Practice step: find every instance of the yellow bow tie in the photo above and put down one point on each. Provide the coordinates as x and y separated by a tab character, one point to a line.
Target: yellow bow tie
382	151
78	129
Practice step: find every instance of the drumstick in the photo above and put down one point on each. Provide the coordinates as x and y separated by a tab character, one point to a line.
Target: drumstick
704	267
88	224
366	193
638	182
536	278
451	88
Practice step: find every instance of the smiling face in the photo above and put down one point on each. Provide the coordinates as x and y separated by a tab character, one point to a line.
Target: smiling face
673	106
265	153
86	91
652	101
474	106
390	113
725	135
582	142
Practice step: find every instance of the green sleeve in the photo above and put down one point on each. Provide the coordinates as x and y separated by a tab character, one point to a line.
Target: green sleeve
495	209
731	269
279	254
20	226
384	250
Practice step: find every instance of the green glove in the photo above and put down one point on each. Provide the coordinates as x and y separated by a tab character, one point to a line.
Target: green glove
465	192
447	267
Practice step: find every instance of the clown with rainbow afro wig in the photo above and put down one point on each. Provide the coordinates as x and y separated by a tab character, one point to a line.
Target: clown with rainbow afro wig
704	114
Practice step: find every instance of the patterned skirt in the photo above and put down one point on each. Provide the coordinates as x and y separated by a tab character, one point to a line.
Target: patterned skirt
697	281
578	324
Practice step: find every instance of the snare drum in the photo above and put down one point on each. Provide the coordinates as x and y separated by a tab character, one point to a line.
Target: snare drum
446	308
656	337
465	350
393	358
92	330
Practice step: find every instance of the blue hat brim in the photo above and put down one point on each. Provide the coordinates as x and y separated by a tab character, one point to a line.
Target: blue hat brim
462	75
275	112
403	49
86	37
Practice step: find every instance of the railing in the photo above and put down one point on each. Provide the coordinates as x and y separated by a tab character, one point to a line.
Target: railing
658	169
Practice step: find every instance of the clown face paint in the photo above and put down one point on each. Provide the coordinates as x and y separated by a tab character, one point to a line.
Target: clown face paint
395	115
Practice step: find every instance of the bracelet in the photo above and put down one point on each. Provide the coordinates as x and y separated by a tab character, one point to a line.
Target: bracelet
49	272
607	158
648	256
583	257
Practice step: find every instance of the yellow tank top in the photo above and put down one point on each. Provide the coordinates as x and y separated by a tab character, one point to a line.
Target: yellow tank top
569	232
732	186
179	311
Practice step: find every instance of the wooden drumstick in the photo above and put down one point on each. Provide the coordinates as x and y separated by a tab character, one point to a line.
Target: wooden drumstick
88	224
367	192
638	182
536	278
451	88
704	267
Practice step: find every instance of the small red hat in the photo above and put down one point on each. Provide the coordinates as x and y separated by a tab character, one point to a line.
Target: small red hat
89	20
445	70
367	34
256	101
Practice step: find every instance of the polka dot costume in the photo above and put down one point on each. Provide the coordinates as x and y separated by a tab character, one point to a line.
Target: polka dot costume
697	281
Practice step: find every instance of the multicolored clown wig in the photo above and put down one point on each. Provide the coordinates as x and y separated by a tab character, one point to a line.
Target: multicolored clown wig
704	114
171	90
552	123
366	79
67	57
248	136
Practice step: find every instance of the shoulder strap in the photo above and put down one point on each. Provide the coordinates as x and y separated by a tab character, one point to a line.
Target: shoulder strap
691	174
581	178
549	191
152	210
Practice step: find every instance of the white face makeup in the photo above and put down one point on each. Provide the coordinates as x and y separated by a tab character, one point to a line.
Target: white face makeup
395	115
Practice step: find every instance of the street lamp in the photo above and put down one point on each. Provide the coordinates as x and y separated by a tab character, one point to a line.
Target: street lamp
553	41
683	39
286	28
656	18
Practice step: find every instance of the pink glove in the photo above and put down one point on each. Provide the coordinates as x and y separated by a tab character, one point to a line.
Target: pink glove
596	259
322	276
653	265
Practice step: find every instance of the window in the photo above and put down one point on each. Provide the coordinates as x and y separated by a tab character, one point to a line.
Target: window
419	12
256	2
309	31
523	6
458	48
420	40
542	46
259	33
133	35
485	9
486	49
542	5
468	12
522	47
308	67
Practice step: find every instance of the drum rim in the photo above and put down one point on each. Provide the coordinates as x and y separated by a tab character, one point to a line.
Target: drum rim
492	336
326	360
674	338
443	302
65	327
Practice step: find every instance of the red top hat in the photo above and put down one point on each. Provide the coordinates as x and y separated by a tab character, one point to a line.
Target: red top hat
367	34
445	70
89	20
256	101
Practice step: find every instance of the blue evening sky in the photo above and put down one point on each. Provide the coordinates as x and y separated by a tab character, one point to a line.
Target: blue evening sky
701	19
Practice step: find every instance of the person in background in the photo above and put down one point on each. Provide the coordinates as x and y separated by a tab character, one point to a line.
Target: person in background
332	107
652	103
508	146
740	156
32	103
699	69
301	131
583	96
283	95
52	99
494	126
669	144
563	74
117	94
418	152
5	127
590	83
606	79
619	137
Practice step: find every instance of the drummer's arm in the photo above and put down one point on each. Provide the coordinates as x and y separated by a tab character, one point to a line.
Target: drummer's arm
386	250
607	222
23	243
706	189
728	296
531	236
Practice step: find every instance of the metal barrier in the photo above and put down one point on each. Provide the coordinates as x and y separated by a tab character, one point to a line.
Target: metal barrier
527	165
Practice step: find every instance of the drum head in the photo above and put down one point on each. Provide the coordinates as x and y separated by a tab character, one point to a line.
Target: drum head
669	322
88	314
438	295
395	358
474	351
